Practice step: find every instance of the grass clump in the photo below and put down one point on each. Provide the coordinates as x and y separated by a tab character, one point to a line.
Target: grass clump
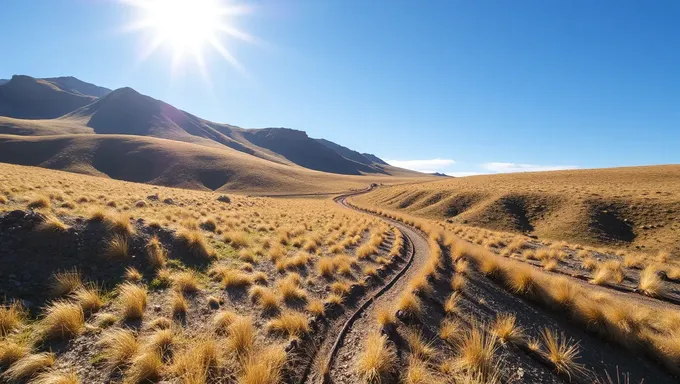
41	202
196	243
241	336
118	346
155	253
185	281
11	352
506	329
477	351
290	323
11	318
51	224
89	298
62	320
65	282
562	352
28	367
377	360
132	299
56	377
264	367
117	248
651	284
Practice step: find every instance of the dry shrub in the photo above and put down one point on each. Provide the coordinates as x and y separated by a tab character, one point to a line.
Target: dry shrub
28	366
62	320
196	243
132	299
378	359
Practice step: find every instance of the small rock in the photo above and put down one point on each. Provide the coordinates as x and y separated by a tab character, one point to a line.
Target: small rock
157	308
224	199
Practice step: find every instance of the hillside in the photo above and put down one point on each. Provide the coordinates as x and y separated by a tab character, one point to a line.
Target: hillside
634	207
127	112
173	163
28	98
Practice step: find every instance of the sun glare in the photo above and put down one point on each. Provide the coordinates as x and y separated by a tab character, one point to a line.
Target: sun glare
188	28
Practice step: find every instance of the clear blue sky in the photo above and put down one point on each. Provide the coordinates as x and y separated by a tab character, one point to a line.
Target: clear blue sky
576	83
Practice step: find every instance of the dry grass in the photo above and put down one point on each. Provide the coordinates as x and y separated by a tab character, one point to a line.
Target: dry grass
155	253
410	304
378	359
132	299
28	367
418	347
118	346
222	320
264	367
265	297
196	243
89	298
418	372
195	363
506	329
477	351
451	331
40	202
62	320
185	281
241	336
178	304
651	284
132	274
608	272
316	307
51	224
56	377
117	248
11	351
562	352
11	318
65	282
145	368
290	323
236	279
325	266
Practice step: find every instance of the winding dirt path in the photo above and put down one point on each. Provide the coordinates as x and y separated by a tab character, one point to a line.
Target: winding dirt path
334	363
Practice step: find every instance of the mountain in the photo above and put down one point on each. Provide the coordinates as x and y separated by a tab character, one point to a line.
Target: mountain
80	115
353	155
176	164
28	98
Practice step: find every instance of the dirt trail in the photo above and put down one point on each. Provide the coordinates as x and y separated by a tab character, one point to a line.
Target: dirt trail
483	300
347	332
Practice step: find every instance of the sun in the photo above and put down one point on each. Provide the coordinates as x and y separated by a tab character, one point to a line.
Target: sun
187	27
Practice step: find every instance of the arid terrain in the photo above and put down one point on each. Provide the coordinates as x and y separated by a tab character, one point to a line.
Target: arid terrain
142	244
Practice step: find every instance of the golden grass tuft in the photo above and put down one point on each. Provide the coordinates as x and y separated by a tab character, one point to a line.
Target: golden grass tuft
62	320
51	224
325	266
185	281
222	320
458	283
506	329
562	352
241	336
56	377
237	239
290	323
156	255
316	307
28	367
65	282
451	331
145	368
195	363
651	284
236	279
264	367
409	304
117	248
11	318
477	350
378	359
40	202
265	297
118	346
132	299
196	243
418	372
132	274
11	352
608	272
418	347
89	298
178	304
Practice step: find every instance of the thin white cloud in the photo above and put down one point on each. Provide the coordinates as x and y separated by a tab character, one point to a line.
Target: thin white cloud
515	167
463	174
427	166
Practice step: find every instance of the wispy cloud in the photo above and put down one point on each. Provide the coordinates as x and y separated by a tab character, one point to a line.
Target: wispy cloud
463	173
516	167
427	166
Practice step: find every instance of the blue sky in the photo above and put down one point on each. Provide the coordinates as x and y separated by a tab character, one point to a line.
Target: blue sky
455	86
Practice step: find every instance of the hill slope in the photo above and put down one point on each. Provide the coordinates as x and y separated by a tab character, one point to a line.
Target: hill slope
173	163
28	98
638	206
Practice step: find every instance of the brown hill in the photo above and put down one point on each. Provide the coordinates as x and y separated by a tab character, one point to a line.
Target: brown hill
173	163
638	206
28	98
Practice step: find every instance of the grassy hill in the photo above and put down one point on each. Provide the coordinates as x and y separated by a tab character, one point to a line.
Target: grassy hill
637	207
173	163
